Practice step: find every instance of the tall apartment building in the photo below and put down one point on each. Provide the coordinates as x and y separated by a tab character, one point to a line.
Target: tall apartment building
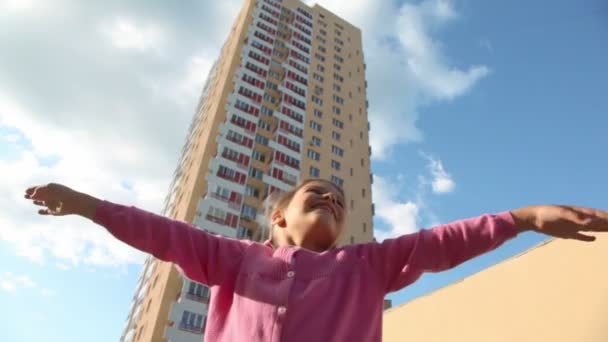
285	100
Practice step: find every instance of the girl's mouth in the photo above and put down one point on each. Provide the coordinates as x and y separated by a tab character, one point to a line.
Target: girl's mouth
324	206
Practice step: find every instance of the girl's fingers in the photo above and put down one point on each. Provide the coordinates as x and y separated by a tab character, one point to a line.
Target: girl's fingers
583	237
37	202
597	213
595	219
44	212
29	192
578	217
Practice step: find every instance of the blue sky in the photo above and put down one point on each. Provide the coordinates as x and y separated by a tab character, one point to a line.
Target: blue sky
496	104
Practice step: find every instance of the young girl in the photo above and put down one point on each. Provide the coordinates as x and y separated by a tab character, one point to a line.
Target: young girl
299	286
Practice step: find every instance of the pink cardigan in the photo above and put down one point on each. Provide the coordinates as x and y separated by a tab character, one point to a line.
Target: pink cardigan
291	293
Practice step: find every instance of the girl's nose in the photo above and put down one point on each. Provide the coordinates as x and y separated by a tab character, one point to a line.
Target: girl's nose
332	197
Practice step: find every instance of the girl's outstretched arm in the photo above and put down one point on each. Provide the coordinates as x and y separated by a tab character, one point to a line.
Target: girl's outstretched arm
400	261
203	257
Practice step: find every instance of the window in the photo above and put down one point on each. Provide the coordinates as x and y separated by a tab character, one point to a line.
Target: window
323	32
314	172
243	233
317	77
320	57
338	49
317	100
191	321
264	125
318	90
318	113
336	110
256	173
337	180
259	156
351	171
350	117
362	162
339	59
320	68
274	74
361	134
335	165
338	33
338	123
322	49
338	99
336	135
261	140
352	239
337	151
248	212
364	227
266	110
338	41
363	193
314	155
291	144
316	141
252	191
315	125
198	290
271	85
337	67
338	78
269	98
337	87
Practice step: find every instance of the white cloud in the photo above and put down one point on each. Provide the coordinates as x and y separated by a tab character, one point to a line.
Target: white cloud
125	33
439	180
107	118
442	182
401	216
18	6
10	282
406	68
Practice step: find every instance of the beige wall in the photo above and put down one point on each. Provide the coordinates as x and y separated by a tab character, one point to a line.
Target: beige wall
557	291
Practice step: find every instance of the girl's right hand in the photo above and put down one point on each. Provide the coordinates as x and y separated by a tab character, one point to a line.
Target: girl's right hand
59	200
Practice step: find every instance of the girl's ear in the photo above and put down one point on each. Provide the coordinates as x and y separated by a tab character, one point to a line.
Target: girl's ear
277	218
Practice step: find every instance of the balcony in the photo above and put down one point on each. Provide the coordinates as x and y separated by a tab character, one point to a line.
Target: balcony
270	180
231	204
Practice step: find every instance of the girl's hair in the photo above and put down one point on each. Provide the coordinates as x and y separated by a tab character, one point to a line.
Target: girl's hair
277	200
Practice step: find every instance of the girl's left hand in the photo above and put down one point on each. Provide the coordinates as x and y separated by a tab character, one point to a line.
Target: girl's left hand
562	221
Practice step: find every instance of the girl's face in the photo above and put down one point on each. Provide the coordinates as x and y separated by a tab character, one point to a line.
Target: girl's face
315	215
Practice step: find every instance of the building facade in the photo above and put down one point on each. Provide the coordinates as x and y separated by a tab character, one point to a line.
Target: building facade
557	291
286	100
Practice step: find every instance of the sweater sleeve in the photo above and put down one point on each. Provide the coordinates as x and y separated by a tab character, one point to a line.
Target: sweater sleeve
402	260
203	257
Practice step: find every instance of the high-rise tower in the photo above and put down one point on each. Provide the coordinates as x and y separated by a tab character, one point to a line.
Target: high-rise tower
285	100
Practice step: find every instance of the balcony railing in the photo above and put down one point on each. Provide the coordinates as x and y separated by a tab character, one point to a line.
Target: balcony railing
191	328
197	298
232	204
